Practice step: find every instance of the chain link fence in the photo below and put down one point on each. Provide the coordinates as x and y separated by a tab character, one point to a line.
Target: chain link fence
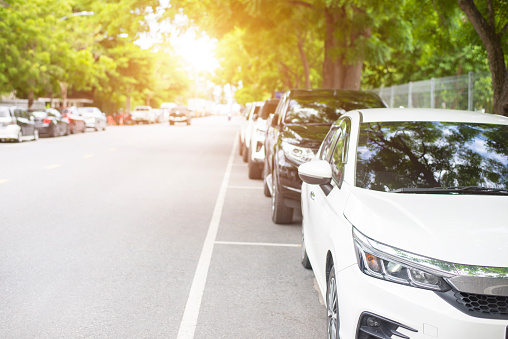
472	92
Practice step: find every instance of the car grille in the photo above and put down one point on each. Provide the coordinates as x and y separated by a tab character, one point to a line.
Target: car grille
486	305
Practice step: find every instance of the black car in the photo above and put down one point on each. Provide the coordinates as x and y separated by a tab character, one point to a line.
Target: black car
51	123
300	123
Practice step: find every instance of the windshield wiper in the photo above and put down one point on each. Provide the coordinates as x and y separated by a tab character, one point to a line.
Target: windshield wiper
454	190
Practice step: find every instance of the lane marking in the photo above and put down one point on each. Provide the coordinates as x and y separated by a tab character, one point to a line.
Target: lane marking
256	244
191	312
3	181
246	187
88	156
50	167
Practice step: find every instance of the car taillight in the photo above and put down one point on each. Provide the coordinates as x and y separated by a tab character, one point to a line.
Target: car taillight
46	121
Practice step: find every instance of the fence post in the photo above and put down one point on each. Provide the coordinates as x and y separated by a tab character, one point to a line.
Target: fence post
432	93
470	92
392	94
410	95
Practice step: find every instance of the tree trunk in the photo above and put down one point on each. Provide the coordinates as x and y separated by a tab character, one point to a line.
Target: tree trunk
30	99
486	29
305	62
63	88
338	72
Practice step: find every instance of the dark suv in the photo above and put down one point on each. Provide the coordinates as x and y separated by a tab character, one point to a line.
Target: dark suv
300	123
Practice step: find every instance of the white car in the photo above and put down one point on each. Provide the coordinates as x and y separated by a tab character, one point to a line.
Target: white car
256	148
405	224
94	118
246	128
143	114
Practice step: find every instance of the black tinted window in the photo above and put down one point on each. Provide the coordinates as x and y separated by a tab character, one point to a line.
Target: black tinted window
322	109
395	155
268	108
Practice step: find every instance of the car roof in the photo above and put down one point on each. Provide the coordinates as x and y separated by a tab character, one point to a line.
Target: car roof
429	114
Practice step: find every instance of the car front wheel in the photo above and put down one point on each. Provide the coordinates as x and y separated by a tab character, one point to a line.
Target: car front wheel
332	305
281	214
305	258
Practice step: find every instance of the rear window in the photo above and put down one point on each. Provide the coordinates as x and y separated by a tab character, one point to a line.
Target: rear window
268	108
399	155
321	109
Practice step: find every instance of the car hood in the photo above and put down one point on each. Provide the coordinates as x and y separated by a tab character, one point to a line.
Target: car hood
462	229
309	136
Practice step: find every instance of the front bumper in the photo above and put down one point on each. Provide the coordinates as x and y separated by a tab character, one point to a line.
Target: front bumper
422	310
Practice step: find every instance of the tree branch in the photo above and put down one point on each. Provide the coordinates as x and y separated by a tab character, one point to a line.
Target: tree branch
441	17
301	3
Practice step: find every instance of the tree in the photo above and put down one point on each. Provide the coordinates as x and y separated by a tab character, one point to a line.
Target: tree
490	20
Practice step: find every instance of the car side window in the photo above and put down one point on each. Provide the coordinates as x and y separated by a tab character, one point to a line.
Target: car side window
18	113
339	153
328	142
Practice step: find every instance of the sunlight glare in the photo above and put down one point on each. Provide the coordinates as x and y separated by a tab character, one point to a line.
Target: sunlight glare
198	51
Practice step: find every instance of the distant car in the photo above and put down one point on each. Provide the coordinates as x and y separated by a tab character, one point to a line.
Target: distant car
405	224
256	149
76	120
299	125
94	118
51	123
246	128
16	124
180	114
143	115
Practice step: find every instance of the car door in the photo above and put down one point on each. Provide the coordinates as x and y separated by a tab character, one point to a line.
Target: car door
325	212
22	121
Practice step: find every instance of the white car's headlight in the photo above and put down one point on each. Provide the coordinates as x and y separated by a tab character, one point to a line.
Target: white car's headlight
395	265
298	154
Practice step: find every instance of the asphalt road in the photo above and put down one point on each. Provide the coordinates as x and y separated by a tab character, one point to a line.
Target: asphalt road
149	231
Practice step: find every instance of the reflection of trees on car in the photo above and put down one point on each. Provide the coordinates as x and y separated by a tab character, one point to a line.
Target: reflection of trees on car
394	155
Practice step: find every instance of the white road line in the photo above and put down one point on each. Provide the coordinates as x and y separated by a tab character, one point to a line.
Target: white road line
256	244
3	181
190	315
50	167
246	187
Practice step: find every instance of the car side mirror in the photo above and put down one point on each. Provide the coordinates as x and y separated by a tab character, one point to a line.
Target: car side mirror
275	120
317	172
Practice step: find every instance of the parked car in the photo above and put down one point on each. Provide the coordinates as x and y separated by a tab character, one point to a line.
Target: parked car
50	122
76	120
256	149
405	224
143	114
299	125
94	118
16	124
180	114
246	128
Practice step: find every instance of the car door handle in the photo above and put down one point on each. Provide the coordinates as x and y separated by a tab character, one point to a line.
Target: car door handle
312	195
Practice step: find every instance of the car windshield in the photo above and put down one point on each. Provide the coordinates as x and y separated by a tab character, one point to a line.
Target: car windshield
85	109
326	109
39	114
427	155
4	112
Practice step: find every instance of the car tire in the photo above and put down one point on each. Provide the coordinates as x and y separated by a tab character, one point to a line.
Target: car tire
254	171
281	214
84	129
20	137
54	132
171	123
332	305
245	153
266	189
240	145
67	130
304	257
